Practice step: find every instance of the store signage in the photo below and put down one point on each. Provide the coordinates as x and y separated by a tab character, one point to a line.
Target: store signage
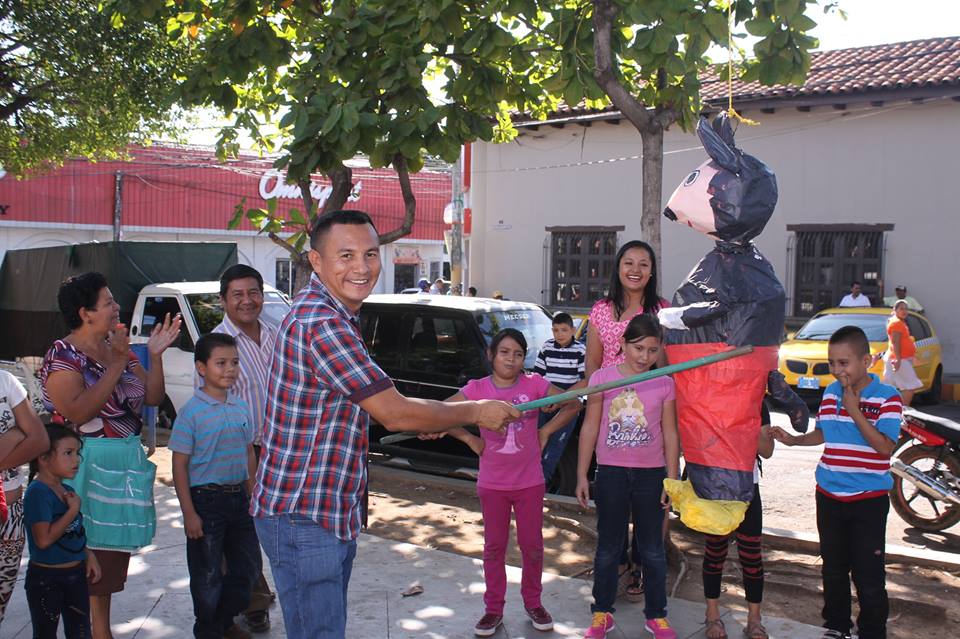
406	255
272	185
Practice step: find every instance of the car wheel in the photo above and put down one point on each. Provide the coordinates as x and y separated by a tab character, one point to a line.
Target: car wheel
933	395
564	479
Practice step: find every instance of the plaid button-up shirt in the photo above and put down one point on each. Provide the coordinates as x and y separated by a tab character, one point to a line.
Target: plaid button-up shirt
315	433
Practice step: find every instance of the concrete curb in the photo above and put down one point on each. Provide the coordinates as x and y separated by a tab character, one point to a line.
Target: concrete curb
779	538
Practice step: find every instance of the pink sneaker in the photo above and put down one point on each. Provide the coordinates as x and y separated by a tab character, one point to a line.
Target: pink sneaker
660	628
601	624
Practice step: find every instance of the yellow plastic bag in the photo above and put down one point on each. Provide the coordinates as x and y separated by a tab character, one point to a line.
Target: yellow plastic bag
710	516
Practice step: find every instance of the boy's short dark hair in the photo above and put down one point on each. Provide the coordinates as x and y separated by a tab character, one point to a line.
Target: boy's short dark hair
322	224
562	318
210	341
239	272
855	283
854	336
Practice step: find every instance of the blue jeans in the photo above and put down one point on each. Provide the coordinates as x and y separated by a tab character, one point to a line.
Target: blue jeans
618	492
56	592
229	540
311	570
557	443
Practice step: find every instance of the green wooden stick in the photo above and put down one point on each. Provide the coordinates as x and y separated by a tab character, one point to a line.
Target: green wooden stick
617	383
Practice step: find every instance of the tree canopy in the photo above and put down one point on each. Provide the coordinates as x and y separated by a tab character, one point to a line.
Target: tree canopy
73	85
326	80
648	58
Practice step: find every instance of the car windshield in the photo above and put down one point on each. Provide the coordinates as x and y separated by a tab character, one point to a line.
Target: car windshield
535	324
822	327
208	312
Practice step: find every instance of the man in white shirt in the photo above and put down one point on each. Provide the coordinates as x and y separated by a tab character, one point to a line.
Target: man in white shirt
855	297
241	293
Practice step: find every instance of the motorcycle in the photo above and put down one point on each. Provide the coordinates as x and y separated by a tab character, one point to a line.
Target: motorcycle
926	471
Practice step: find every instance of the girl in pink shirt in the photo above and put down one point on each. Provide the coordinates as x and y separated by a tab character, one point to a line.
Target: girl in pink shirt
511	478
633	430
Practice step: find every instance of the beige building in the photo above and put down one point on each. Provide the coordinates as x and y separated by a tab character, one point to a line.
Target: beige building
866	156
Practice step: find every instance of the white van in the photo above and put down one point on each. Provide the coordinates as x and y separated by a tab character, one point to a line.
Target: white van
199	305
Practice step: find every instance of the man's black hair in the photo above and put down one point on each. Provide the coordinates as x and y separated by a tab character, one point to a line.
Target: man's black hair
239	272
210	341
854	336
346	216
562	318
855	283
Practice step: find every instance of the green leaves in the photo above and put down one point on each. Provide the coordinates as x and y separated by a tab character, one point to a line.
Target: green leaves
78	82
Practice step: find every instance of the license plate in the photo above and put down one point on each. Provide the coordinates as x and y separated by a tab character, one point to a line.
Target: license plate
809	382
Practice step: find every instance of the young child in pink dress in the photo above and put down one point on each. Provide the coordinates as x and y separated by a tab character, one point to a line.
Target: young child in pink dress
511	478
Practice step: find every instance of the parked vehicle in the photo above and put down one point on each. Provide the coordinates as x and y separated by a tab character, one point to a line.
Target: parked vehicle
30	279
431	346
803	359
926	471
199	305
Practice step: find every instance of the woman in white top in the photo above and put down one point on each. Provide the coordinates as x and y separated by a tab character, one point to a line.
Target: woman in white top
22	437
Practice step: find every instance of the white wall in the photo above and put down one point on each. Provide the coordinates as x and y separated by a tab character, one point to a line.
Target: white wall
892	164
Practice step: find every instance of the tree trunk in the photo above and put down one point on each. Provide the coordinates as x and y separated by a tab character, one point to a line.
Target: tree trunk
652	174
650	123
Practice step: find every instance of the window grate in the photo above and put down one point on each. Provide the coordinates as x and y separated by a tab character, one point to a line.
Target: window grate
581	265
828	261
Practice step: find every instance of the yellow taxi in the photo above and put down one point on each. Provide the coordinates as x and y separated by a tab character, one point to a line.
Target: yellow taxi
803	359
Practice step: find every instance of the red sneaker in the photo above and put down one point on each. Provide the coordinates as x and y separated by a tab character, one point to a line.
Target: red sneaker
488	625
541	618
660	628
601	624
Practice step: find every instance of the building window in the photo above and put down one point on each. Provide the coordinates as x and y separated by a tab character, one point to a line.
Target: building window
830	257
581	262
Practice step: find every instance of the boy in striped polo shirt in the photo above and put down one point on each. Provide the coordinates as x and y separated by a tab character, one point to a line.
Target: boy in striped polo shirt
859	422
562	360
213	467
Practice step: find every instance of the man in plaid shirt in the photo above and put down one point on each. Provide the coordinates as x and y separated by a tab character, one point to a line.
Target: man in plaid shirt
323	386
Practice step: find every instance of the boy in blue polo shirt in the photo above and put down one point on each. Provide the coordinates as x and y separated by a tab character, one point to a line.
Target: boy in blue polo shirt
859	422
213	467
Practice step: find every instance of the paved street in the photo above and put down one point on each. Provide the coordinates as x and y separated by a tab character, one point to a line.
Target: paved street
788	485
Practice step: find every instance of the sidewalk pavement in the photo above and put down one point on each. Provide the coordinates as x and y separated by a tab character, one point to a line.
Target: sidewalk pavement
156	603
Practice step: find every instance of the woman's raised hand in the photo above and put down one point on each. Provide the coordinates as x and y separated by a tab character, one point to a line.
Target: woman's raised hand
164	335
119	341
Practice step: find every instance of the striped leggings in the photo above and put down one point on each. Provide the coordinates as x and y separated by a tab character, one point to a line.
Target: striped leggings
748	547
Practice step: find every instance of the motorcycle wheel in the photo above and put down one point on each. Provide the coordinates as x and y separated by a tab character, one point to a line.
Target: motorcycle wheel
916	507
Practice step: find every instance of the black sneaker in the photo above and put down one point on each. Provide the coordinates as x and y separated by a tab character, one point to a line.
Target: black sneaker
836	634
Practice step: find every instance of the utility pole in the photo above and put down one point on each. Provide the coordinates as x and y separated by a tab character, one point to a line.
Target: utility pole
118	206
456	241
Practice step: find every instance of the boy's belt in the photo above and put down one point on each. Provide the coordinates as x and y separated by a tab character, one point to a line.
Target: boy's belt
220	488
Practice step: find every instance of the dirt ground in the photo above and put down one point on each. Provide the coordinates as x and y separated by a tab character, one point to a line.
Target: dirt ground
418	509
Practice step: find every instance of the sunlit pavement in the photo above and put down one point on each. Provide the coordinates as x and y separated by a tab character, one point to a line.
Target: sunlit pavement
156	603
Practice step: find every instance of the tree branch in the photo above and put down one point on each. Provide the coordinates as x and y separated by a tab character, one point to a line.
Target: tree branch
282	243
409	202
604	14
19	102
341	179
307	198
